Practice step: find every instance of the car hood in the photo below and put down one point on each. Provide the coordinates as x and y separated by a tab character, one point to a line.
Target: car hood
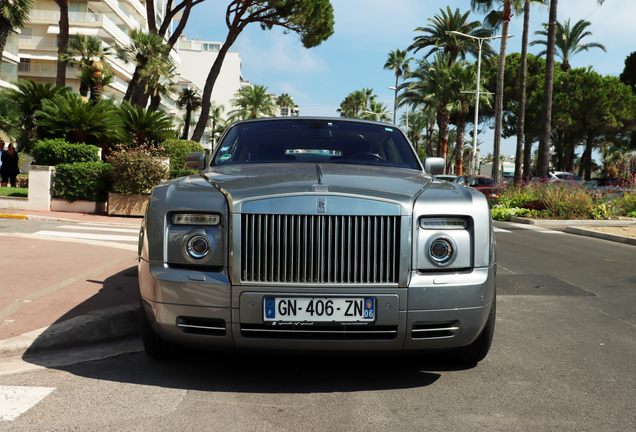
242	183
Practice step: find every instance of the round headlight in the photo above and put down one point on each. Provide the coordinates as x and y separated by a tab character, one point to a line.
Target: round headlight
197	246
442	251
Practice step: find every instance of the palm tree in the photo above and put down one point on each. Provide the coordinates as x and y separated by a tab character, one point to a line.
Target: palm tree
142	126
568	41
418	123
432	84
437	36
190	101
215	119
68	116
397	61
495	19
13	15
89	49
159	77
28	97
543	158
144	48
253	102
10	117
284	101
377	111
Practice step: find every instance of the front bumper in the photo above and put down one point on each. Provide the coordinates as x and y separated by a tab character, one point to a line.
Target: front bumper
203	310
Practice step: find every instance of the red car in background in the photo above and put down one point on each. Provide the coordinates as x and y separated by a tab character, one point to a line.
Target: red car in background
484	184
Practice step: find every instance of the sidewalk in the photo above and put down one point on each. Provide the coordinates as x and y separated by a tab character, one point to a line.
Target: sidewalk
77	293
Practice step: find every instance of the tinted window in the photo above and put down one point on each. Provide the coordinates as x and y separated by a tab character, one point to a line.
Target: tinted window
315	141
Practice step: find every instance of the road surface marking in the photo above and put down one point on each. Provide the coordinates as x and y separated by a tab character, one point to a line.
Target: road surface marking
98	228
88	236
501	230
15	401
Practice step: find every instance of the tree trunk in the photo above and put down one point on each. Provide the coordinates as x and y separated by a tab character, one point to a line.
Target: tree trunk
587	156
527	155
521	115
209	85
499	93
543	161
62	41
443	120
186	127
155	100
5	28
133	83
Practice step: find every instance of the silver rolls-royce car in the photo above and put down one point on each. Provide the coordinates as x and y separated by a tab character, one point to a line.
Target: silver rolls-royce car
317	234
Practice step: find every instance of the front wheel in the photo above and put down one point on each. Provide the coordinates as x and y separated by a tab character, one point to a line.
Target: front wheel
477	351
155	346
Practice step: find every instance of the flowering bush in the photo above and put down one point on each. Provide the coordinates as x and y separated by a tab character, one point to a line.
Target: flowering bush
136	171
562	201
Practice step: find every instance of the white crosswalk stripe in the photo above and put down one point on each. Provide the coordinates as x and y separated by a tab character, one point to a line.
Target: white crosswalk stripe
500	230
15	401
88	236
104	235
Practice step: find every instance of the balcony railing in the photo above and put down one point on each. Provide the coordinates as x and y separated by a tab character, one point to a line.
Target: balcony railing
11	48
38	41
8	77
83	18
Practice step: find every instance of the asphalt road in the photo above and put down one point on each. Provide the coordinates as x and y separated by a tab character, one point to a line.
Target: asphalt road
562	360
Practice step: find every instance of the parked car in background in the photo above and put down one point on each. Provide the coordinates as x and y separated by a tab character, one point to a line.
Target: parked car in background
610	185
315	234
564	177
484	184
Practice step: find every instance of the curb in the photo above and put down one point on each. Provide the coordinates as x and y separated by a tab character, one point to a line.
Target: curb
581	222
94	327
601	235
58	219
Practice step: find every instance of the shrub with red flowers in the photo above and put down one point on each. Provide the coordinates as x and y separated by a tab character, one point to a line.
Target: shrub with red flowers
136	171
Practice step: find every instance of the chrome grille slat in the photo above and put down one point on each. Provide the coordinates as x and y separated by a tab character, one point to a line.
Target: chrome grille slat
310	249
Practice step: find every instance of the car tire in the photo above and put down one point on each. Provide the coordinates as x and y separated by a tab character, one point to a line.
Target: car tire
477	351
155	346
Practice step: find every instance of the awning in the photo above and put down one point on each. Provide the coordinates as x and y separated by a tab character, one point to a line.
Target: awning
86	31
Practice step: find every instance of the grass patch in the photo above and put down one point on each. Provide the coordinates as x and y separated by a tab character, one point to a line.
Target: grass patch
14	192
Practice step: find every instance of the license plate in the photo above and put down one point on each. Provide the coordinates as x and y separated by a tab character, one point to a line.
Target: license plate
319	309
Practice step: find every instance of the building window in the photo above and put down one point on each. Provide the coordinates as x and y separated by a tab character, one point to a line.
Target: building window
25	65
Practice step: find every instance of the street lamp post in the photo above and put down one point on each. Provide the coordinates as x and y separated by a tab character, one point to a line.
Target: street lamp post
395	110
479	40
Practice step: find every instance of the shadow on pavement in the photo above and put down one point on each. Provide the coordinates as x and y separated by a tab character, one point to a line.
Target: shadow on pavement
94	319
249	373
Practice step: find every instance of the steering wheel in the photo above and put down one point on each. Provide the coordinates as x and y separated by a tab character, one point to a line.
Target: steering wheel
368	154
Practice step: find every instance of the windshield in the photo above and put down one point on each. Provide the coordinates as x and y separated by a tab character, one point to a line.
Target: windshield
315	141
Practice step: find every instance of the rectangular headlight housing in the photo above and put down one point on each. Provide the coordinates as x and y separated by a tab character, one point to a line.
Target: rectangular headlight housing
196	219
449	223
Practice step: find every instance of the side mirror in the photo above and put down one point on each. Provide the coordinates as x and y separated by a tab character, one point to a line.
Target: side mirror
195	161
434	165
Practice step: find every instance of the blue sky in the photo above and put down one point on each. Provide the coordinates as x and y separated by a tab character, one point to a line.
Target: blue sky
367	30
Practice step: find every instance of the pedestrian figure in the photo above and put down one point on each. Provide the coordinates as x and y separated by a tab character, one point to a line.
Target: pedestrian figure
2	181
9	169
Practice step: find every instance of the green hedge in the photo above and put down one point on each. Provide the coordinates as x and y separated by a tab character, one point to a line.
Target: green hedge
176	150
57	151
82	181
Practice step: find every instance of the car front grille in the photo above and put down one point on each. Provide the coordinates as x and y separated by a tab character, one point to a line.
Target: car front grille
320	249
